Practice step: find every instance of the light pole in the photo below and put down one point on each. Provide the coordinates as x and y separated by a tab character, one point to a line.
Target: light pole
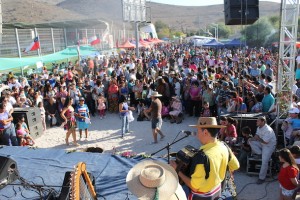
216	27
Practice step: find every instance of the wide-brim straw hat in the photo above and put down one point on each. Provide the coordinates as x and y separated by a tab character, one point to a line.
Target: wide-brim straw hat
149	178
155	94
207	122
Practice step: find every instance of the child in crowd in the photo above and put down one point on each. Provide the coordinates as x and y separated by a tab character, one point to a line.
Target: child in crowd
23	124
295	150
205	110
23	134
164	110
245	148
43	115
176	110
140	109
101	105
288	175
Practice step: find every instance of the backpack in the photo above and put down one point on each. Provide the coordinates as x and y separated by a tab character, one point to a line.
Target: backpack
228	191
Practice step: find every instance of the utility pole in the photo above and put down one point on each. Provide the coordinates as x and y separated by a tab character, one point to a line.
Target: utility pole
0	21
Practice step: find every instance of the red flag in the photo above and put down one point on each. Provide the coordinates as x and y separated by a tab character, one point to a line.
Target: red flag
35	45
94	40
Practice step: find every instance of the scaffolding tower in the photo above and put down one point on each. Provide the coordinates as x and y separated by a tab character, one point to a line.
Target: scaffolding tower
287	53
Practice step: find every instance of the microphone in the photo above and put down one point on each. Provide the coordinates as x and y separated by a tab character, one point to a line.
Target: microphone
189	133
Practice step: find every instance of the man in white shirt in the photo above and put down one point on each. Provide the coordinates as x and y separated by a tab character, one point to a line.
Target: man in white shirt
264	144
7	128
14	83
180	62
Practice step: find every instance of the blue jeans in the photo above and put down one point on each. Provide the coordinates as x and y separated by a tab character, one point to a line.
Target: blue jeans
9	136
125	124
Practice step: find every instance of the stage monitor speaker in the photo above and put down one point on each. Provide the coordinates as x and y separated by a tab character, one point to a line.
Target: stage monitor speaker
33	120
65	191
241	12
7	171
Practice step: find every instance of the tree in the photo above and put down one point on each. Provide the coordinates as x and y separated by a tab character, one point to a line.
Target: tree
224	31
257	34
159	25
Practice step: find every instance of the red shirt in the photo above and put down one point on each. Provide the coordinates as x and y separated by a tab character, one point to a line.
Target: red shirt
230	131
285	175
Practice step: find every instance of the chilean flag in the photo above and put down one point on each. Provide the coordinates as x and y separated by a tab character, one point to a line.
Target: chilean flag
35	45
94	40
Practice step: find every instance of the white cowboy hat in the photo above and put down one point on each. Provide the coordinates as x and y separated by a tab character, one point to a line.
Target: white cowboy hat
150	178
207	122
155	94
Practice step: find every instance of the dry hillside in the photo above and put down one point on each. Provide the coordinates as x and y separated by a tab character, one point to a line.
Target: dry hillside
37	11
175	16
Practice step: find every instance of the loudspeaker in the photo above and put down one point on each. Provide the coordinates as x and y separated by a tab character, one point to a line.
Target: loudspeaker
65	191
243	120
7	171
239	12
32	118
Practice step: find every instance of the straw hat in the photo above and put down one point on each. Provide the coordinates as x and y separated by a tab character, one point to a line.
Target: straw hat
207	122
155	94
149	178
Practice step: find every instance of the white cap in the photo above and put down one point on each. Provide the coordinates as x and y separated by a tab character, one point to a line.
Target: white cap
294	111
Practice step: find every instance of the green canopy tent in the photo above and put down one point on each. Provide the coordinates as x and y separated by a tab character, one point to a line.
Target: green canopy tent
9	64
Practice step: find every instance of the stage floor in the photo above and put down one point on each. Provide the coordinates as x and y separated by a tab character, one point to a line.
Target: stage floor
48	166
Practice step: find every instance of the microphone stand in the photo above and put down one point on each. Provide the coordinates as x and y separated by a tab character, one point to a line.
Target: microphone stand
168	147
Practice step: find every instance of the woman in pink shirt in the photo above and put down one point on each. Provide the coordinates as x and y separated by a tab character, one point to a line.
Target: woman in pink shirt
193	66
195	99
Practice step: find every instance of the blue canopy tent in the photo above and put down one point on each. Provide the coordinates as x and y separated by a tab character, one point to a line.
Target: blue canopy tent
213	43
235	43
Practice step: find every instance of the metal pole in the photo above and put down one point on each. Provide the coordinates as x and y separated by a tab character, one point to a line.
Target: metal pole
52	38
137	39
65	37
18	43
77	34
0	21
217	32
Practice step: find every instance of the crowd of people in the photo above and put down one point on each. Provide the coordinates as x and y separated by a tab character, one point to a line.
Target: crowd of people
169	81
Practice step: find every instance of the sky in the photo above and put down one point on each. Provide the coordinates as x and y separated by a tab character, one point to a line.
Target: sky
196	2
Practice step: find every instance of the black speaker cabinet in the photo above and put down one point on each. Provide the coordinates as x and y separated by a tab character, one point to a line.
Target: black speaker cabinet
239	12
245	120
32	118
7	171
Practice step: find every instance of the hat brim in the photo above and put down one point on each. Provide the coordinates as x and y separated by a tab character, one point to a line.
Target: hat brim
157	95
207	126
144	193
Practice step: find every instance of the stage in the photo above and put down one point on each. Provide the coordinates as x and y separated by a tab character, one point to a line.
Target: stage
48	166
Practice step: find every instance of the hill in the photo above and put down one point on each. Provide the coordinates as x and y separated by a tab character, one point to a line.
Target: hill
35	11
177	17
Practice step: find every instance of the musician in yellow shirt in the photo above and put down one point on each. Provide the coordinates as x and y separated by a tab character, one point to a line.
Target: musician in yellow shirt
208	186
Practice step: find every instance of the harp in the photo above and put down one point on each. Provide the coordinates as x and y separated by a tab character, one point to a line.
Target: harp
81	185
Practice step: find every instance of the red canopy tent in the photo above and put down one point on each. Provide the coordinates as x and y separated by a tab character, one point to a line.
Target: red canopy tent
126	45
144	43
